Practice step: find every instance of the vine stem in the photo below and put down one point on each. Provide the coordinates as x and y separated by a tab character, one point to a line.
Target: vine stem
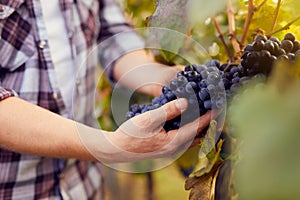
150	185
231	25
251	10
286	27
220	35
275	16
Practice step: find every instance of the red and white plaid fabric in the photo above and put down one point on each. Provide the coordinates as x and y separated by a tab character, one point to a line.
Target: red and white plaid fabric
26	70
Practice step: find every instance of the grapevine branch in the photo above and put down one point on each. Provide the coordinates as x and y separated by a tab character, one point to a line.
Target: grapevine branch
261	5
231	24
275	16
286	27
251	10
220	35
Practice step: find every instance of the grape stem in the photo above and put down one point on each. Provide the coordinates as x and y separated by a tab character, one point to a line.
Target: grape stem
279	3
251	10
220	35
286	27
231	25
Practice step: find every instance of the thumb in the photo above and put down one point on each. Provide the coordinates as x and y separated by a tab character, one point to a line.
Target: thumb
168	111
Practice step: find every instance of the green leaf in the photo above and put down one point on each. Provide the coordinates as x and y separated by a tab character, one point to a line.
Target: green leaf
200	10
213	159
170	14
209	141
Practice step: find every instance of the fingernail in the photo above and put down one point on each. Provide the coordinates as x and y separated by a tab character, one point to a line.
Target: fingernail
181	104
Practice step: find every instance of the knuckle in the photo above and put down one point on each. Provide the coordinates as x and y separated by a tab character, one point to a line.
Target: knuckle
170	109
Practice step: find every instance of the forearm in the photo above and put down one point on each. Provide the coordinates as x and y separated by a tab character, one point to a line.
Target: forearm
27	128
138	70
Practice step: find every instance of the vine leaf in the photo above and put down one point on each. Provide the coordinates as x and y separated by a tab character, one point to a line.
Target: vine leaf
169	14
203	187
213	159
202	182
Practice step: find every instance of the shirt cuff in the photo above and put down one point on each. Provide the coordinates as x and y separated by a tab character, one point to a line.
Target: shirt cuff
113	48
5	93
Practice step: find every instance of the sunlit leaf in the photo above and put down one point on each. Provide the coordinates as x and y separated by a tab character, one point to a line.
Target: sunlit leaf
200	10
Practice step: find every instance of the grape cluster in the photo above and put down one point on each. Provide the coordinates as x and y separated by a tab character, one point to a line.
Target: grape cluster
259	56
201	85
207	87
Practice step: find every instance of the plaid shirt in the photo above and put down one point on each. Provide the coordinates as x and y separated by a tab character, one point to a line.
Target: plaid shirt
26	70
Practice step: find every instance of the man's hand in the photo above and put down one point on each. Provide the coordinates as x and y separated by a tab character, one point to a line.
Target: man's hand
143	137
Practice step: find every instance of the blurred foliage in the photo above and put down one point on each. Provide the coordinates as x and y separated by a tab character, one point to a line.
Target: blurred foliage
266	122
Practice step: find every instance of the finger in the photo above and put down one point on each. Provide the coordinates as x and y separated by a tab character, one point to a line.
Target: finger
168	111
190	130
202	122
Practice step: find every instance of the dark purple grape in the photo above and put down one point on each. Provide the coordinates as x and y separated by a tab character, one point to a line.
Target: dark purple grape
212	89
191	76
165	89
258	45
135	108
273	59
253	57
276	48
280	52
204	74
287	45
236	74
130	114
223	67
191	87
234	70
164	101
180	92
181	73
291	56
170	96
188	68
265	55
275	39
249	48
181	80
290	36
203	83
226	83
261	38
174	84
213	78
296	46
207	104
214	62
269	46
203	94
213	69
156	100
200	68
235	80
